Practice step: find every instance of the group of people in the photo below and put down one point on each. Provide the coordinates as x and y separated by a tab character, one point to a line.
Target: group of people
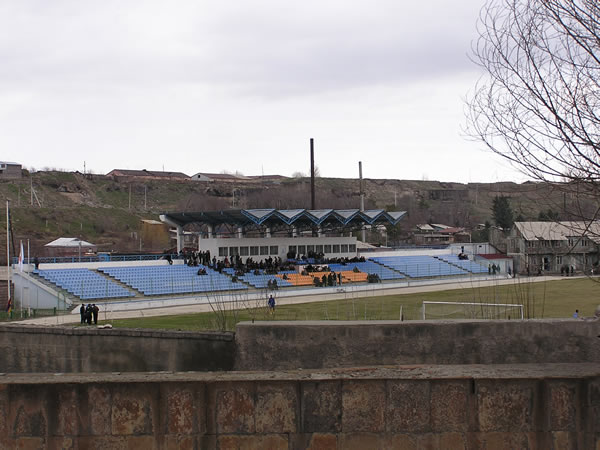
194	259
88	313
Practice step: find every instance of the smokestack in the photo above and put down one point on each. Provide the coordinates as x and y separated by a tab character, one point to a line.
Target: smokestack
362	198
312	175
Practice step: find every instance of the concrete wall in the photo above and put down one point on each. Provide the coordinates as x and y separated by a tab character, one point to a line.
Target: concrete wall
548	407
67	350
292	345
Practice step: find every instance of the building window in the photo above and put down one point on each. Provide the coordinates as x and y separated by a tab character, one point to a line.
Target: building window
222	251
559	260
292	249
264	249
302	250
352	248
327	248
310	248
319	248
254	250
233	251
336	248
243	251
274	250
584	243
344	248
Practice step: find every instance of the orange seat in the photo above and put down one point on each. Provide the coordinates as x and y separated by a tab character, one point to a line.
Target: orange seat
350	276
298	280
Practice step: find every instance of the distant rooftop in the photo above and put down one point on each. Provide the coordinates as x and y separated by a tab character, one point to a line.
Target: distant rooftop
68	242
146	173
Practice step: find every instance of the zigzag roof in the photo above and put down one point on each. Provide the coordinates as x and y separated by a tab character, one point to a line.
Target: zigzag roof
242	217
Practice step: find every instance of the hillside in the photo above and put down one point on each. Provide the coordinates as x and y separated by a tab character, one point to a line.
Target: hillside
107	211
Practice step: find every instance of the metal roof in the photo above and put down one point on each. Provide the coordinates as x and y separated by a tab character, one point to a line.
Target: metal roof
68	242
268	217
558	231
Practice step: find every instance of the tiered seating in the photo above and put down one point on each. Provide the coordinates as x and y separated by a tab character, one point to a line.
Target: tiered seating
179	279
261	281
468	265
84	283
369	267
349	276
296	279
419	266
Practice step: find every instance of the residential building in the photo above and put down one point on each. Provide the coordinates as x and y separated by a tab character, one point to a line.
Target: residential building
538	247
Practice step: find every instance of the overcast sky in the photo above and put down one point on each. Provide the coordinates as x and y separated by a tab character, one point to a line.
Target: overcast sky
198	86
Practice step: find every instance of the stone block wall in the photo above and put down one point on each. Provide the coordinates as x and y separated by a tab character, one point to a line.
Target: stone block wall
406	407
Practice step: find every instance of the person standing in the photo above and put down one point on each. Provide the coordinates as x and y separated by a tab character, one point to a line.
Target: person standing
88	314
576	314
271	304
82	313
95	311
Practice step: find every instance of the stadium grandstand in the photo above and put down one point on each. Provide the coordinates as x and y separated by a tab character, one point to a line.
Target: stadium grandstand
244	253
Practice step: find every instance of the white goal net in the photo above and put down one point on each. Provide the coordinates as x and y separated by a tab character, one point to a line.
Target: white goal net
471	310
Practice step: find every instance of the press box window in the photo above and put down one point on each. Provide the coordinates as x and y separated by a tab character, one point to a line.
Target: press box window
328	249
222	251
233	251
254	251
336	248
344	248
243	251
264	249
274	249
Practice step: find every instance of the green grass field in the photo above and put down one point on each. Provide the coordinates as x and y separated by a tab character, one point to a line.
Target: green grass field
550	299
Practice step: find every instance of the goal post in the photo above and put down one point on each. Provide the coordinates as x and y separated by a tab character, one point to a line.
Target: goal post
471	310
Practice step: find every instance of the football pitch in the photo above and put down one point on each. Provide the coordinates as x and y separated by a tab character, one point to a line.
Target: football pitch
550	299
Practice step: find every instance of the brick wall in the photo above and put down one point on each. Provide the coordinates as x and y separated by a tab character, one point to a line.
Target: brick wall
406	407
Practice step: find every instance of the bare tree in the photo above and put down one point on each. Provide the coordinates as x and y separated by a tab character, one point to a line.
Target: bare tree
539	103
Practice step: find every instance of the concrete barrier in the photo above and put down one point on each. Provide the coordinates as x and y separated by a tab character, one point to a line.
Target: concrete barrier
71	350
291	345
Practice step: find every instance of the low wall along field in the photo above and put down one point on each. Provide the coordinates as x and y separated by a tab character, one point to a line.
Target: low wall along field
451	407
30	349
291	345
332	385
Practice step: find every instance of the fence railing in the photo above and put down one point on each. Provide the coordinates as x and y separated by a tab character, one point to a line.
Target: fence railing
92	258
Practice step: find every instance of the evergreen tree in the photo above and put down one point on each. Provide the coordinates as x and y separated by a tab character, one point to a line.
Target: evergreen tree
502	212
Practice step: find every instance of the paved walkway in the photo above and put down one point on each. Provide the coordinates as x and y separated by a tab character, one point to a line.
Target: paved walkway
312	297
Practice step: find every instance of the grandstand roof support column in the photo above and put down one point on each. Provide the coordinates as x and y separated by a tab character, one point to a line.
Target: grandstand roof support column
294	231
267	232
240	232
163	218
319	232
